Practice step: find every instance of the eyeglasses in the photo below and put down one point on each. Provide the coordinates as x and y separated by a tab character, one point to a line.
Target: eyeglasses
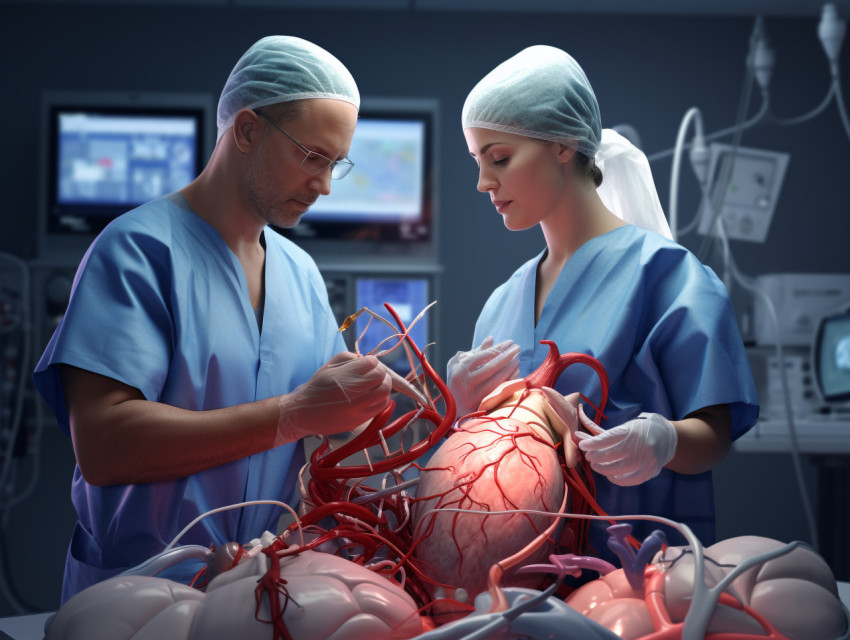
314	163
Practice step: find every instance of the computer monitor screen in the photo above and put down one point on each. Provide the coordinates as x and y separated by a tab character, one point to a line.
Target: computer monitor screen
832	357
386	183
408	296
123	159
385	204
108	162
105	154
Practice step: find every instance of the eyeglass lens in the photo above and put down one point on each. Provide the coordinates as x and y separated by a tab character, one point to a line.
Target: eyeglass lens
313	162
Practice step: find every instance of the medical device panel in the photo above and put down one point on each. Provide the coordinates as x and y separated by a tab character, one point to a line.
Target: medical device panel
800	301
752	191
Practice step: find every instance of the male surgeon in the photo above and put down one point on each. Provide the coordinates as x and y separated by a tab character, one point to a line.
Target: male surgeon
198	346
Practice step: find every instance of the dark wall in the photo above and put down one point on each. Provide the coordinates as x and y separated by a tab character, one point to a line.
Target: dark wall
646	71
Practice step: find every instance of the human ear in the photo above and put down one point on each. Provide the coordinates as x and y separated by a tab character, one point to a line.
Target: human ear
246	129
565	153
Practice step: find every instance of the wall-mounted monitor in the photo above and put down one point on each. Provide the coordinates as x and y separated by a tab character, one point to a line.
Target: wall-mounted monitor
385	207
104	153
831	356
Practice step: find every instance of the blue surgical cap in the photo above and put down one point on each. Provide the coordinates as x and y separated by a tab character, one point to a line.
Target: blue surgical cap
542	93
281	69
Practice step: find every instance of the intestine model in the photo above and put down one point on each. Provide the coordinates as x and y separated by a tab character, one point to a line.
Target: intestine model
743	588
499	518
312	595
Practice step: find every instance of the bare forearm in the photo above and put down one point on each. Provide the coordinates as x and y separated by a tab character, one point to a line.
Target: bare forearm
142	441
704	439
121	438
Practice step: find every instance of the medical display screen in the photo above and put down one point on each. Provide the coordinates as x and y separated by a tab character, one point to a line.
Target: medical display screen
106	162
408	296
384	206
832	357
386	182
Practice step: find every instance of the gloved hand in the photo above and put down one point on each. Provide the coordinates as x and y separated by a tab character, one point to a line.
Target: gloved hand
563	417
344	393
631	453
473	374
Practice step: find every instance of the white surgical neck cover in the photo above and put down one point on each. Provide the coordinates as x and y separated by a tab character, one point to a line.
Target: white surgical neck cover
282	69
543	93
628	189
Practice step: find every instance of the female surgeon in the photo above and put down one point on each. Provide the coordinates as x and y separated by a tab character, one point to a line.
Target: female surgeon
610	283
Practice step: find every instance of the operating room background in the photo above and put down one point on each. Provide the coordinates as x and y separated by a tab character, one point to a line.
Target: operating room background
646	70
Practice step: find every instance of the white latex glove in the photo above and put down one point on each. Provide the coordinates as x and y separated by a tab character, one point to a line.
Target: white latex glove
564	421
631	453
474	374
343	394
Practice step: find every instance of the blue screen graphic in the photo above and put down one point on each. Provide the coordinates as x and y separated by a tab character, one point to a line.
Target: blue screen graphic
123	159
408	296
834	357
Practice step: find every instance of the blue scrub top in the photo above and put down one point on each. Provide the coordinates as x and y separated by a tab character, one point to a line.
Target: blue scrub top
662	325
161	304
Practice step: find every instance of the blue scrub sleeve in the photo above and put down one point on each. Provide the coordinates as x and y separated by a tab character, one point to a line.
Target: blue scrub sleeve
117	323
696	348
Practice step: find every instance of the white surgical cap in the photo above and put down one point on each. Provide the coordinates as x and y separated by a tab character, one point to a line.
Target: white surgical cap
543	93
281	69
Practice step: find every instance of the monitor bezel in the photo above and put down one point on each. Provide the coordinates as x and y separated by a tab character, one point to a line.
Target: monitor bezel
816	358
55	242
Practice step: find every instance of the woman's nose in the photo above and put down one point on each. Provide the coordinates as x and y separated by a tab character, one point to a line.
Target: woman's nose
485	181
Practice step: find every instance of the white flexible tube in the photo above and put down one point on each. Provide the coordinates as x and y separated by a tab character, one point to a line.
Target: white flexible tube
786	395
786	122
730	272
756	119
167	559
692	114
238	505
